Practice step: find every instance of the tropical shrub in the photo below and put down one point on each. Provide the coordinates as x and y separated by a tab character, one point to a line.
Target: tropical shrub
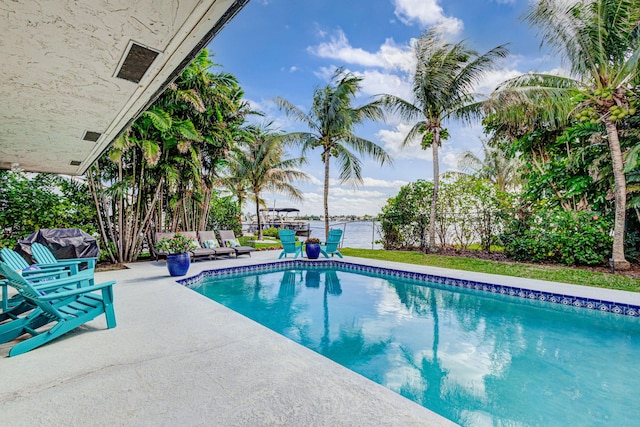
405	217
29	202
224	214
558	236
469	210
271	232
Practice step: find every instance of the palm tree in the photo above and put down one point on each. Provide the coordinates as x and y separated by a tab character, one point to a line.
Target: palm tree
160	171
259	160
445	77
331	121
599	39
496	166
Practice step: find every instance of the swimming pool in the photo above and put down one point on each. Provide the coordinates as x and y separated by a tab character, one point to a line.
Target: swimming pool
477	357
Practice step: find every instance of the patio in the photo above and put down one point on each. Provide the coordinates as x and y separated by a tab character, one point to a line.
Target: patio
178	358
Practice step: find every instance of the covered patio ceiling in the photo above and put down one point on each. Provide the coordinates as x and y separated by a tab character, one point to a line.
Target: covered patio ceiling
76	73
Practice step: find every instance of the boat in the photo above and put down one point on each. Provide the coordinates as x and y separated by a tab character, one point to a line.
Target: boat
278	218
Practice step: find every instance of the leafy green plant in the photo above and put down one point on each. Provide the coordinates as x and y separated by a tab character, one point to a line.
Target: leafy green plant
566	237
224	214
178	244
270	232
30	202
469	210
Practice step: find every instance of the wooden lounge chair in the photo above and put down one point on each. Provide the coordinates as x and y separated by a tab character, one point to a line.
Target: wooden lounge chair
209	240
43	255
67	308
289	244
229	240
199	252
333	240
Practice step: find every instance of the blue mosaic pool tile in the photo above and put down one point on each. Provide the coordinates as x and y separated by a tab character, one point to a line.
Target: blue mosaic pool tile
528	294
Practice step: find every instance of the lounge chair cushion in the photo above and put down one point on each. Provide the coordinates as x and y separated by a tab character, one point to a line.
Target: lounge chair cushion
211	244
232	243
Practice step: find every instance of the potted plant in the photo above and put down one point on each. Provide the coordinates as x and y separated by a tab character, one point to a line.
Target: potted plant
177	249
312	247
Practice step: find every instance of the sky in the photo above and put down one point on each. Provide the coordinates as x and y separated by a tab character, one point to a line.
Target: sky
288	48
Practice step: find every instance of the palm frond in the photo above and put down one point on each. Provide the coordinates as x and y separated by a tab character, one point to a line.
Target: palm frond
405	110
295	112
349	165
160	118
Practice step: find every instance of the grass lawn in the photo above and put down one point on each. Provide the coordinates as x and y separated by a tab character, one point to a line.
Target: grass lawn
531	271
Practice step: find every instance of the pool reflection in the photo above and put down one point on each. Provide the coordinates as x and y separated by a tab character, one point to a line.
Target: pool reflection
474	358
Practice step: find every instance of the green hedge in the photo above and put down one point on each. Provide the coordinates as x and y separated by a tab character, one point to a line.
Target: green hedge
570	238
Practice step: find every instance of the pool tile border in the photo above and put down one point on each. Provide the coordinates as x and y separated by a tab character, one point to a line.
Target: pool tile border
518	292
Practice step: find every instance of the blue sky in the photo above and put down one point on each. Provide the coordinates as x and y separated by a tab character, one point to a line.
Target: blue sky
288	48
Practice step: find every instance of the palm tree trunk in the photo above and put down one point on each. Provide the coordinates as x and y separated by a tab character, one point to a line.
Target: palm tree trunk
93	190
326	156
121	229
258	217
434	197
620	190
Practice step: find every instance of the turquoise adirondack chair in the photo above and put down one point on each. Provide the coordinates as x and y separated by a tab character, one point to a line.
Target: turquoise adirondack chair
12	306
333	241
67	302
17	263
15	305
289	245
43	255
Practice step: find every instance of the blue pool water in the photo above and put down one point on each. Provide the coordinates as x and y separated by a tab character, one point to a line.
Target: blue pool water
475	358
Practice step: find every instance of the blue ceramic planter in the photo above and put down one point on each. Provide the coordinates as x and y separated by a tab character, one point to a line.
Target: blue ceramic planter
178	264
312	250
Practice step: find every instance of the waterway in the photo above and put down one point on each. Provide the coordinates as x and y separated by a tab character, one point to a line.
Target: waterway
355	234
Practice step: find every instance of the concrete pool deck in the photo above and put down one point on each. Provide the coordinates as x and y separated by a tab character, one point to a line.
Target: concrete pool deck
178	358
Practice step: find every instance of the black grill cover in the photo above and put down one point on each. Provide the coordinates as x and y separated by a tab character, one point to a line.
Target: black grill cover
63	242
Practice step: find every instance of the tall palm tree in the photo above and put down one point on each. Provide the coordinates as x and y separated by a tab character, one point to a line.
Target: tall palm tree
443	85
259	160
599	39
331	122
496	166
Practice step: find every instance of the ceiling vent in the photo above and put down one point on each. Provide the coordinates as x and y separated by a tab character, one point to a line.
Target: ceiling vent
136	62
91	136
75	162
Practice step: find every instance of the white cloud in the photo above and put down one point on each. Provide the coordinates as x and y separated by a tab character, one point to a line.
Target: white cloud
325	73
389	56
313	180
293	69
392	142
376	82
493	78
558	72
449	160
381	183
426	13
